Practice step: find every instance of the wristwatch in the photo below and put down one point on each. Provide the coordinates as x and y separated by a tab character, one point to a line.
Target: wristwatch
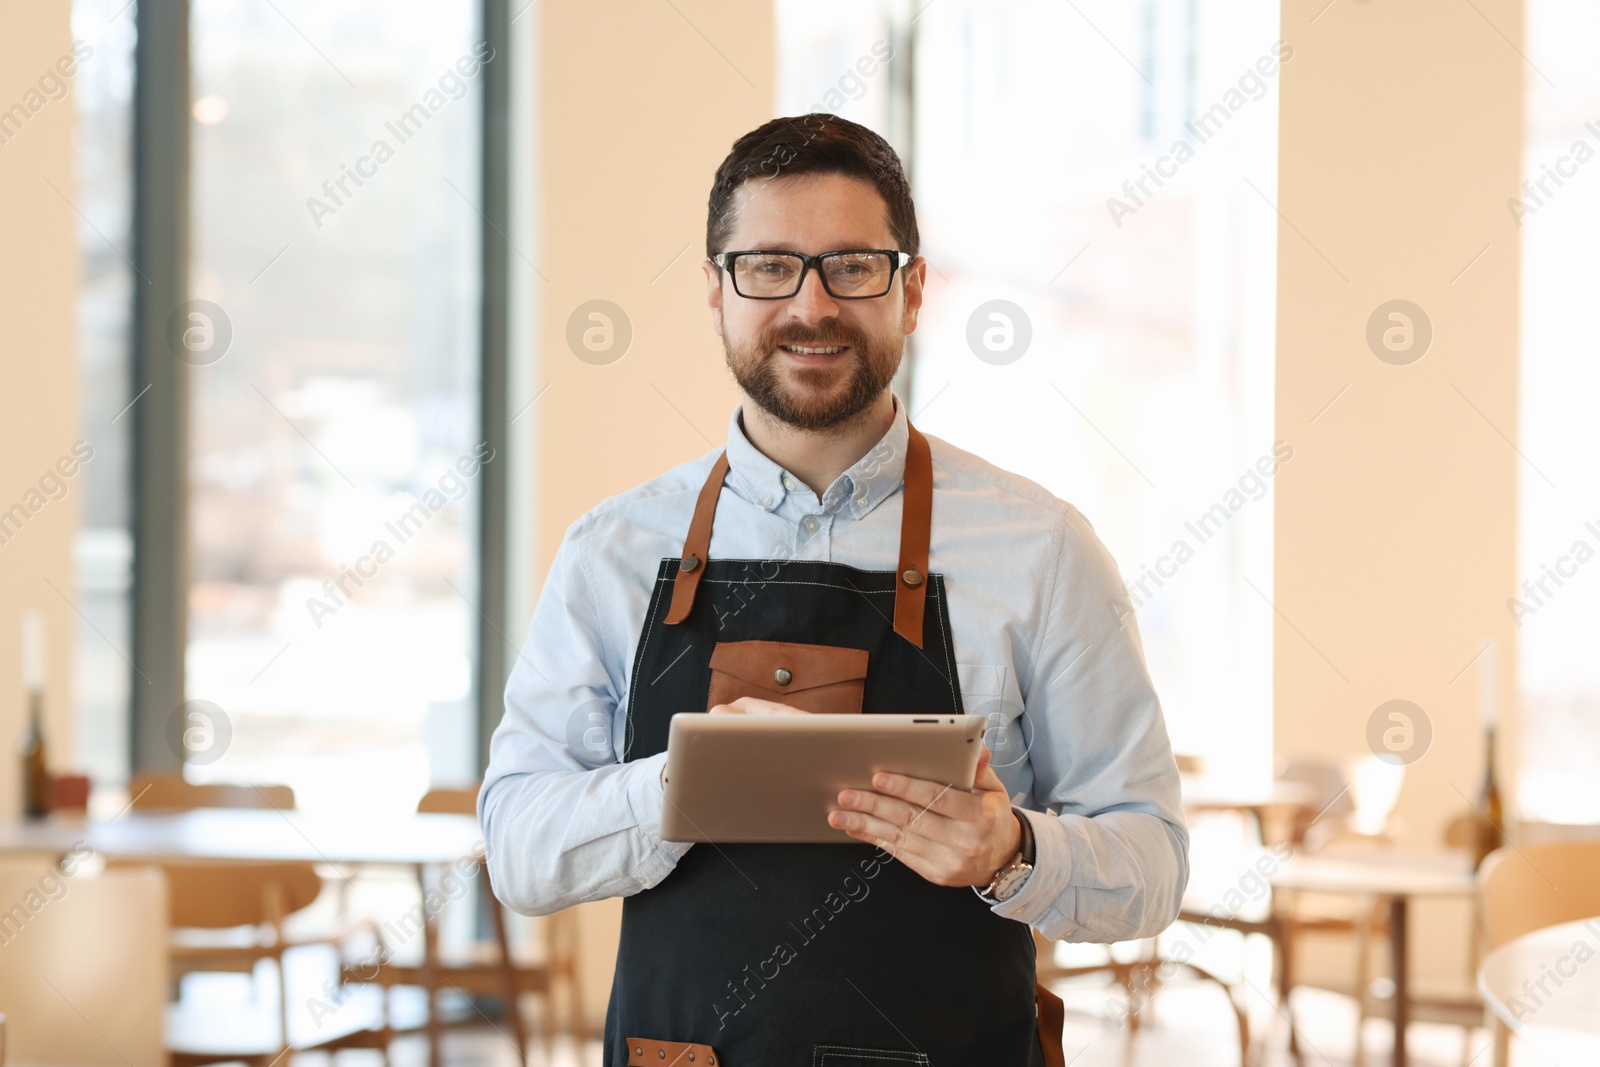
1009	878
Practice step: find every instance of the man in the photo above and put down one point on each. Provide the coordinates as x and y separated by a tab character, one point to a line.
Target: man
830	525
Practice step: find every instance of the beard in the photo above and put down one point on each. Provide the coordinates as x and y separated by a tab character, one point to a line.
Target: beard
815	399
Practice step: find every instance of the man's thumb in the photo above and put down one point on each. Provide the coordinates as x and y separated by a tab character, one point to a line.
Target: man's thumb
985	777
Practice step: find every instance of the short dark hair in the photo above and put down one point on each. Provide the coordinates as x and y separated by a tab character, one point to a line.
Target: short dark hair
818	143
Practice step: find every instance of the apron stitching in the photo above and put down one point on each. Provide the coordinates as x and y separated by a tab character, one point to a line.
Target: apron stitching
638	658
936	588
751	559
935	592
934	585
779	581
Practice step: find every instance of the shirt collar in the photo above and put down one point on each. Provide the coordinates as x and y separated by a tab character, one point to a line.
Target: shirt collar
874	476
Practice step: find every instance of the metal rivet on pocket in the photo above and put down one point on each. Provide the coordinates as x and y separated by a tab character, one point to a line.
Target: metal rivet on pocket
688	563
637	1051
782	676
661	1053
911	577
712	1060
691	1057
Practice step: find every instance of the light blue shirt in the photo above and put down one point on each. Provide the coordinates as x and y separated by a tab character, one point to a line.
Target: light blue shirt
1045	642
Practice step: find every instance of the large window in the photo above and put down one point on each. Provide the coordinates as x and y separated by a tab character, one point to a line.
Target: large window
336	446
1557	606
1094	184
102	90
332	339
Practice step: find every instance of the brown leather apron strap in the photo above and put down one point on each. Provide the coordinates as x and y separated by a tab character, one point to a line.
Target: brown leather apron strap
1052	1016
651	1053
916	518
911	571
697	546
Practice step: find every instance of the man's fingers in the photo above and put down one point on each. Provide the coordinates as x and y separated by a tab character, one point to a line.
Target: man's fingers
924	794
755	706
920	818
892	838
986	779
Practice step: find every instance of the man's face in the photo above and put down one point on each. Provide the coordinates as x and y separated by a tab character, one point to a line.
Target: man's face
813	214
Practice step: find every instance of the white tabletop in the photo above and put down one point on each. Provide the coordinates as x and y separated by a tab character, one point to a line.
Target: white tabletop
1545	985
1203	792
246	835
1392	872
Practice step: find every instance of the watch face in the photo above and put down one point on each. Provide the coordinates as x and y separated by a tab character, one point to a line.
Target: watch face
1011	881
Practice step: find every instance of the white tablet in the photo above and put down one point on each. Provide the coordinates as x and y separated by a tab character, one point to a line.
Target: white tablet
770	778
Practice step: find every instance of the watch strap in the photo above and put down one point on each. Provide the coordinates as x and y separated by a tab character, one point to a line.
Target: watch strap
1022	857
1029	845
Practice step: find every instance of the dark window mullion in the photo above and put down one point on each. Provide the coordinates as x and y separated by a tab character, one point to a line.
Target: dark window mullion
161	418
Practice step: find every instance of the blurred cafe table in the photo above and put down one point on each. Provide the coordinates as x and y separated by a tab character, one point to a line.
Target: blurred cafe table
245	836
1394	876
1545	986
1272	805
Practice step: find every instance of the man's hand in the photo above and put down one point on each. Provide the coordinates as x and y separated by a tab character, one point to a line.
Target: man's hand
949	836
755	706
746	706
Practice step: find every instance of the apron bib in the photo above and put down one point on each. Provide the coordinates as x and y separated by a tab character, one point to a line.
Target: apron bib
811	955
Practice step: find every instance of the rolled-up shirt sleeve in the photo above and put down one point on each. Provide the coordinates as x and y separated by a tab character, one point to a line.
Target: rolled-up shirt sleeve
564	819
1112	850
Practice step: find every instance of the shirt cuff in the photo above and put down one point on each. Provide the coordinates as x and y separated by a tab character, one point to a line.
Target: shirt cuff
1035	900
645	800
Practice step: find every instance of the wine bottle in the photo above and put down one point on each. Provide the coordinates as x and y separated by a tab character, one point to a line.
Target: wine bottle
35	773
1489	817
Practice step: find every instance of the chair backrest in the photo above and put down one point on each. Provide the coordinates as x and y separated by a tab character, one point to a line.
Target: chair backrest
170	792
1327	779
1538	886
83	964
215	896
462	801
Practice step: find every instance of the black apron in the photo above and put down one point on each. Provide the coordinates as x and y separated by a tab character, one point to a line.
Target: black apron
811	955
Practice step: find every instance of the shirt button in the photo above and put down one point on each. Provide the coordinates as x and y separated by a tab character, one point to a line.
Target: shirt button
766	501
811	523
788	482
861	501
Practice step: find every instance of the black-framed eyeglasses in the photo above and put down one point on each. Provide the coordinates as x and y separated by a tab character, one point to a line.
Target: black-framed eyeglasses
850	274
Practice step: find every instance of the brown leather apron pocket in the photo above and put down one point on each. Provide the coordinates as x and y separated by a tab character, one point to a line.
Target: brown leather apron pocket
822	679
643	1050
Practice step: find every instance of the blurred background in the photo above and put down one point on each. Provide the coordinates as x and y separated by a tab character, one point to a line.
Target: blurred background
1293	303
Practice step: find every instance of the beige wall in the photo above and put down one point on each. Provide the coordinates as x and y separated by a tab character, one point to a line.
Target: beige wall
638	109
1401	140
638	105
39	394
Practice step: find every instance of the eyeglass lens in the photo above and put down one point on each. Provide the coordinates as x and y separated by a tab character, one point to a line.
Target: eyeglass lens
848	274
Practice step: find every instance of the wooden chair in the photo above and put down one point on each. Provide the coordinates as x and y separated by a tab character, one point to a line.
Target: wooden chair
236	949
1281	917
252	901
228	918
154	792
1330	826
489	968
1139	981
1529	889
83	965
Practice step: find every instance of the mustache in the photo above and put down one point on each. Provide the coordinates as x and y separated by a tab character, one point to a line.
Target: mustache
814	341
